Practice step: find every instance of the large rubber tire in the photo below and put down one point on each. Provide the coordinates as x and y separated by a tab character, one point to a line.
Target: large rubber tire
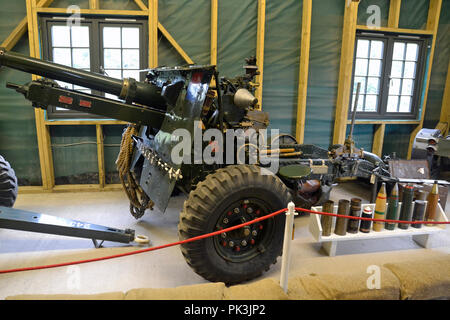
215	200
8	184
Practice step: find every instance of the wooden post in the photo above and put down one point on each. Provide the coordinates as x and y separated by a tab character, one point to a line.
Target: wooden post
260	49
394	13
153	33
345	71
43	134
94	4
378	138
100	155
434	12
445	109
303	71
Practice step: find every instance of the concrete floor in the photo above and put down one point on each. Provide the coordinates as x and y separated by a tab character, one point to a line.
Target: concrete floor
164	268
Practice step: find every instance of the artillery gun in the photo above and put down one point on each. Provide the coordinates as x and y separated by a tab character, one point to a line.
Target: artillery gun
178	124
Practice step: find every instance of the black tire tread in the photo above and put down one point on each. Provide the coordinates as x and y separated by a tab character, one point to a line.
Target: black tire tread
207	193
8	184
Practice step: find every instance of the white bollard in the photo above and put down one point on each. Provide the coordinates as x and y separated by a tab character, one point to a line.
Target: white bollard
286	258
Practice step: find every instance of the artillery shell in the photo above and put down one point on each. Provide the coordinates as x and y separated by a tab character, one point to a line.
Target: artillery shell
365	224
327	221
421	195
392	209
341	223
407	206
355	211
380	208
432	205
418	213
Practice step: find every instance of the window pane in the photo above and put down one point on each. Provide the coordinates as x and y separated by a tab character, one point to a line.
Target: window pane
80	58
362	49
371	103
399	51
410	70
60	36
114	73
112	58
397	69
360	102
374	67
62	56
130	37
361	67
80	36
411	51
373	85
111	37
392	104
130	58
363	84
407	87
394	86
376	49
131	74
405	104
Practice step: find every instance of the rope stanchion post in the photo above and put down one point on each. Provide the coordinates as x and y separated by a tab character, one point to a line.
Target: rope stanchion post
286	258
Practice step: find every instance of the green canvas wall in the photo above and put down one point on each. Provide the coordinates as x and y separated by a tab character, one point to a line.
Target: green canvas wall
189	23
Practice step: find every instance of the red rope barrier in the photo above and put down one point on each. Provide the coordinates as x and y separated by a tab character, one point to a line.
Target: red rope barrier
207	236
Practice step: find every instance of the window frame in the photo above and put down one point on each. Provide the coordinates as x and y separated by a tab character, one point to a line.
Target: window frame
388	40
95	51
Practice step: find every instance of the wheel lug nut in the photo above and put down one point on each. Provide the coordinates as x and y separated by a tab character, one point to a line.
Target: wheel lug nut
231	244
249	210
254	233
243	243
225	220
236	210
223	235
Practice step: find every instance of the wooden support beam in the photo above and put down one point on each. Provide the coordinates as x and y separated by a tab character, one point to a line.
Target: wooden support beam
394	13
303	71
214	20
444	119
21	29
96	11
345	71
152	33
434	12
100	156
378	139
398	30
94	4
175	44
43	134
260	33
141	5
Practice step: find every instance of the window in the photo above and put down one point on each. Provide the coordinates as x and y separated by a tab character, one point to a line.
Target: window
114	47
390	70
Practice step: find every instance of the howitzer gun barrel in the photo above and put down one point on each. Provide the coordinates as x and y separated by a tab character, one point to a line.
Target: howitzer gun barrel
127	89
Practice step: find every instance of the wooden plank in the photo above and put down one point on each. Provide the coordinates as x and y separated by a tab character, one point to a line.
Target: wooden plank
96	11
86	188
445	109
399	30
141	5
434	12
345	72
100	156
94	4
43	136
384	121
82	122
214	20
378	139
152	33
394	13
303	71
175	44
260	33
